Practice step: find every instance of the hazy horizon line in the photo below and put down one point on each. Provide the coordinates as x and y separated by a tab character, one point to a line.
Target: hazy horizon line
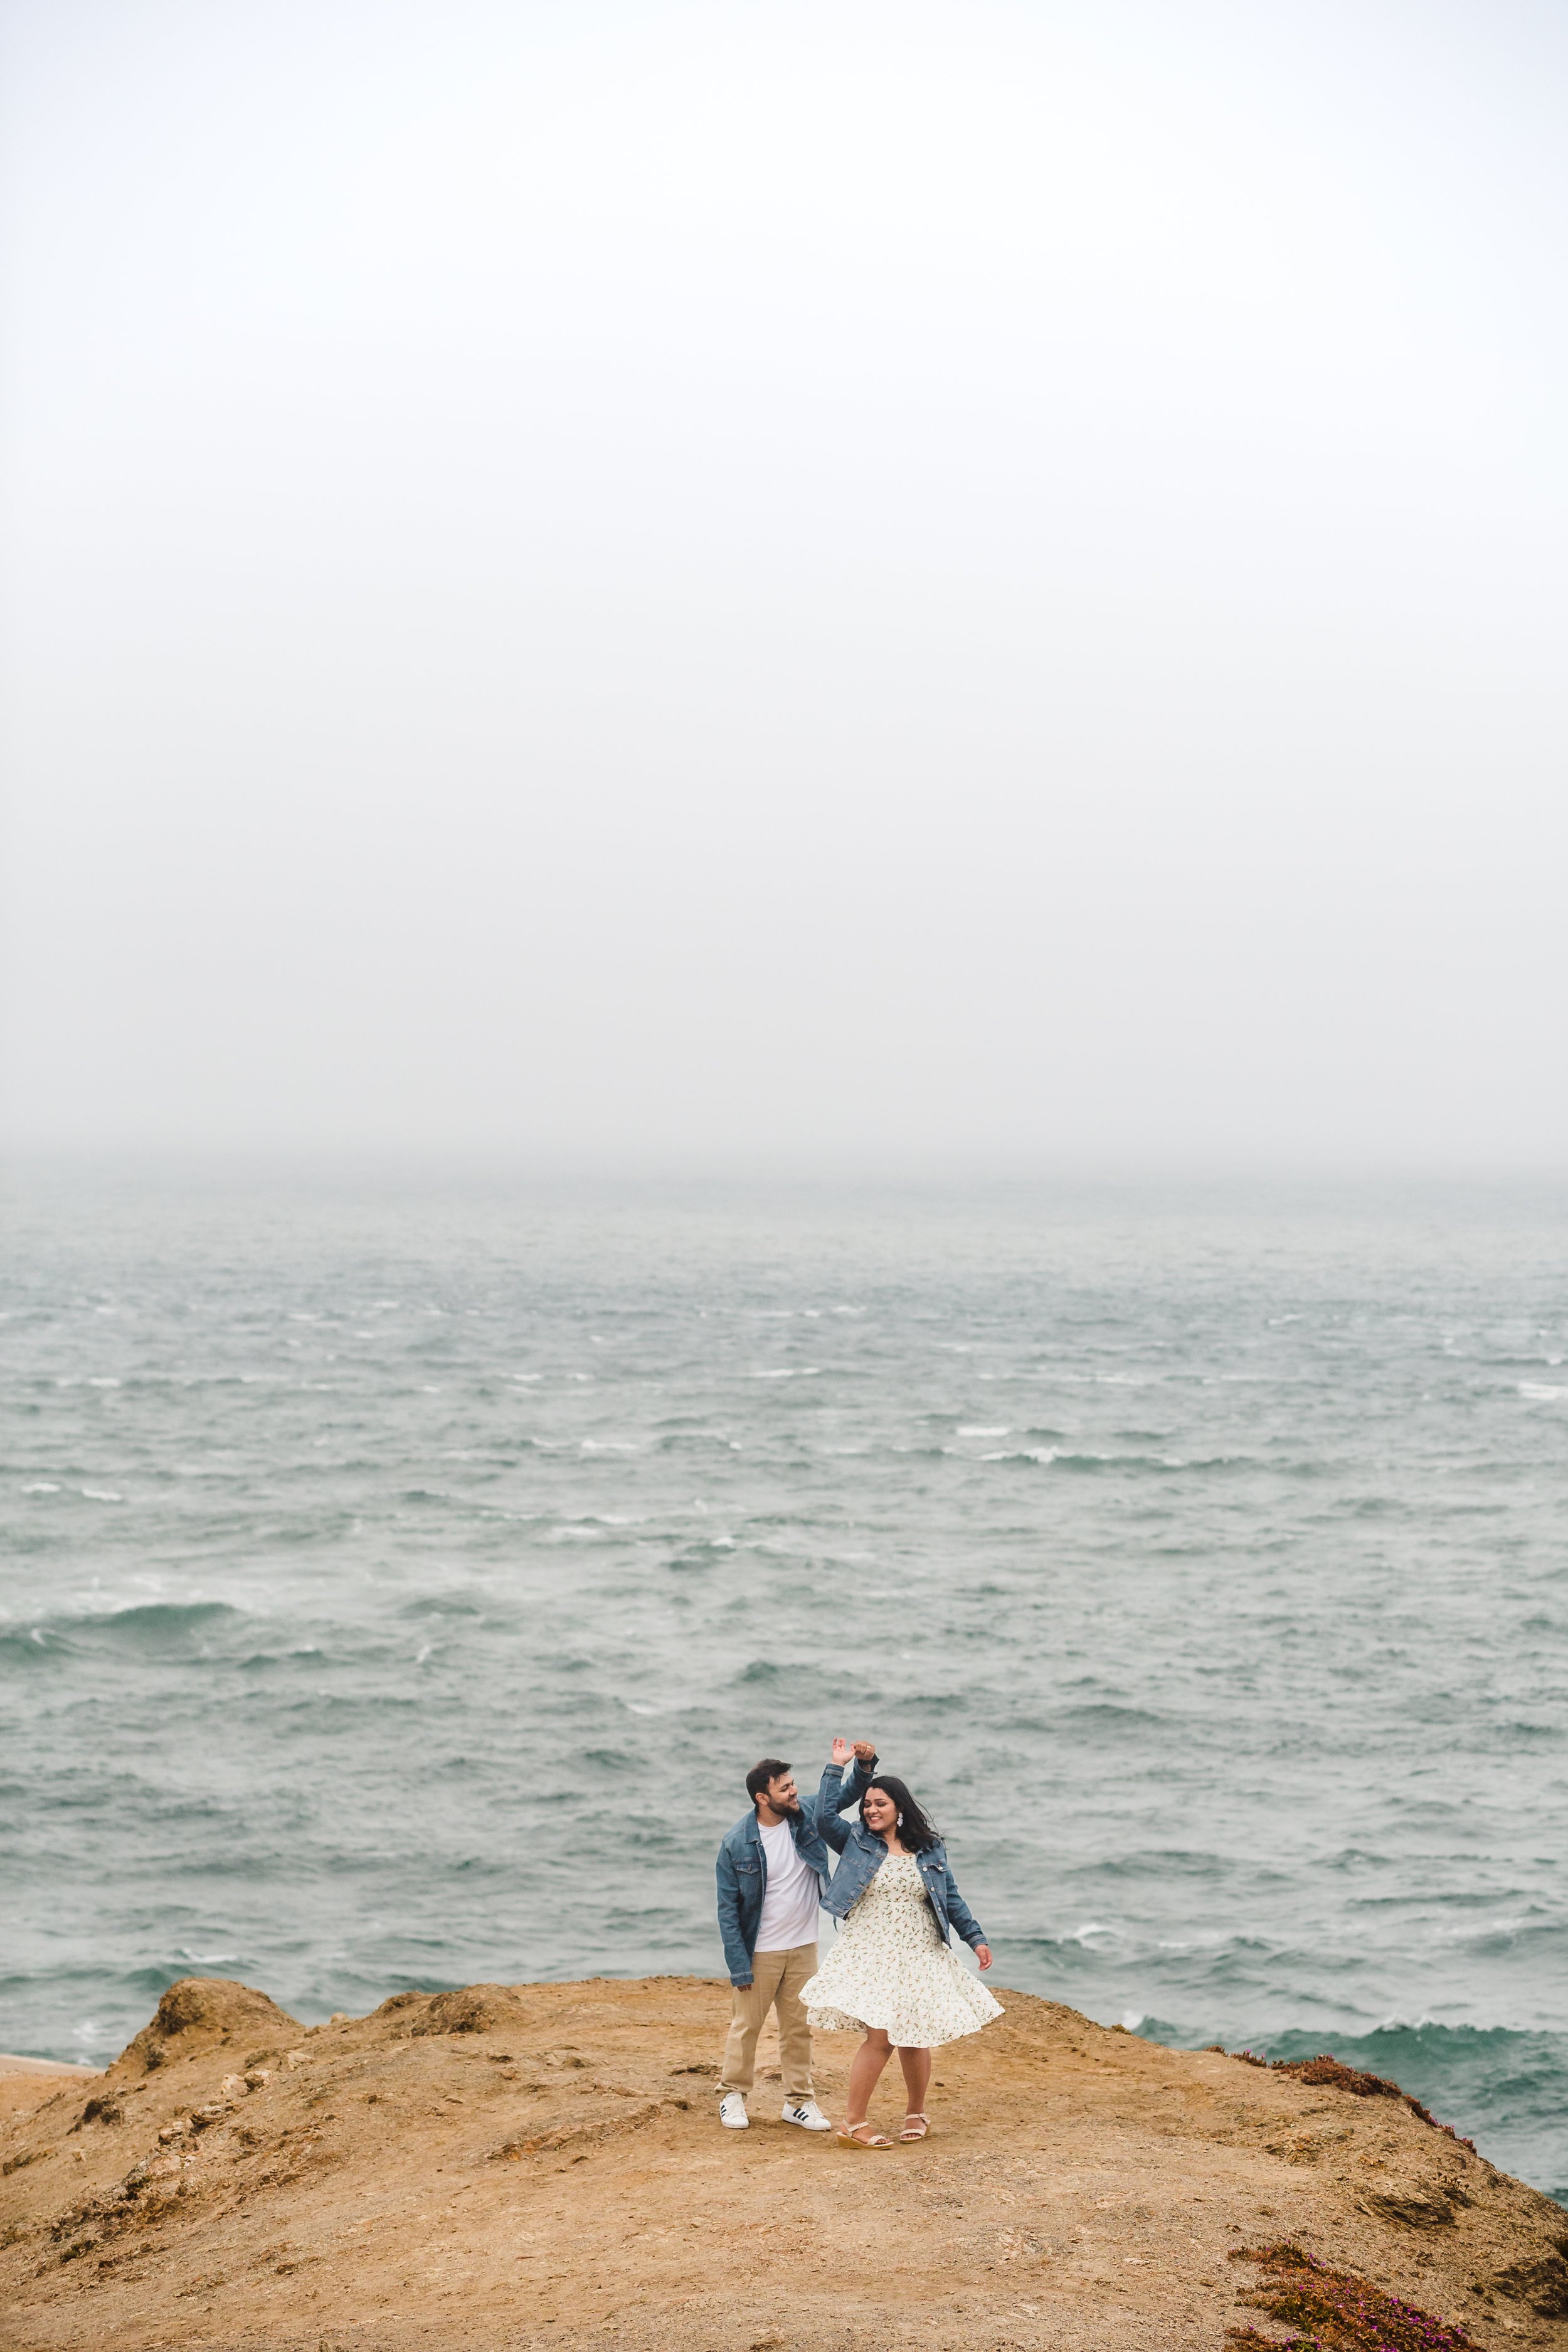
914	1171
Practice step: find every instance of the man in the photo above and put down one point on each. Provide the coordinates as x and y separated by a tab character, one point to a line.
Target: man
772	1871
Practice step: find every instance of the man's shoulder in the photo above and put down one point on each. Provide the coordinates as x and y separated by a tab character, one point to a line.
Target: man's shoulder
741	1834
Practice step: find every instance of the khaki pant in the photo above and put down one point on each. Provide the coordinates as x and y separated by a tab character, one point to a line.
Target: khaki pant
776	1980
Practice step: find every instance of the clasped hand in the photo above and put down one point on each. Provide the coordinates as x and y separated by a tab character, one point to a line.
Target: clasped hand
843	1750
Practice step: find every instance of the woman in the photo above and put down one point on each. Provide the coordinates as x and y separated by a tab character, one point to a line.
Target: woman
892	1971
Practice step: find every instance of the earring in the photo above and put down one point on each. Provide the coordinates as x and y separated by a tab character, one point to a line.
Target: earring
900	1822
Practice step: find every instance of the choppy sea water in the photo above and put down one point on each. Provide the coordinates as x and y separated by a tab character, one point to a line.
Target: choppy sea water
398	1580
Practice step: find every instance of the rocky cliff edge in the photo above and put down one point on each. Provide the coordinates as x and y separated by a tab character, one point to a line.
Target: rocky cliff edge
537	2165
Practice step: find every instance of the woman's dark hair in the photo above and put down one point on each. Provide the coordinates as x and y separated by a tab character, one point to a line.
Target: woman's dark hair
914	1831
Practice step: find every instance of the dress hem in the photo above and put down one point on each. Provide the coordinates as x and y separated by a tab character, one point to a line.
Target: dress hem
838	2020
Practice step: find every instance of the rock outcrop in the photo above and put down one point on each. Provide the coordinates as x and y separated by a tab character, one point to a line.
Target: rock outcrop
201	2014
533	2165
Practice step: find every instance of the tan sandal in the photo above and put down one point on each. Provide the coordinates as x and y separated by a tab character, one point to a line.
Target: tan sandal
924	2122
848	2135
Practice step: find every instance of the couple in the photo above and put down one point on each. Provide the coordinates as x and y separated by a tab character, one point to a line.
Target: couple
892	1974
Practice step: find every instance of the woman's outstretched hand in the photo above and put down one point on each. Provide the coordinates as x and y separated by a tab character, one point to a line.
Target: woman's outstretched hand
982	1954
841	1753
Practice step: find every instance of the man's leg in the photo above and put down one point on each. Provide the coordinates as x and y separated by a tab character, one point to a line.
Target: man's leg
795	2033
746	2021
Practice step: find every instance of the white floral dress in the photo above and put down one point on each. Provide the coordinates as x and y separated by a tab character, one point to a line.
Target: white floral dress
889	1967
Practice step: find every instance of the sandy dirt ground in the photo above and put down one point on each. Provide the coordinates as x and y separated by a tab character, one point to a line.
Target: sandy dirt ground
542	2166
24	2081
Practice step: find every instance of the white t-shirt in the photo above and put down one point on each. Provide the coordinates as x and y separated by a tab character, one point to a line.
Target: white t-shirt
789	1905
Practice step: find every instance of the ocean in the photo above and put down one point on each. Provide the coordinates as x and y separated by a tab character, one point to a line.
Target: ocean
401	1573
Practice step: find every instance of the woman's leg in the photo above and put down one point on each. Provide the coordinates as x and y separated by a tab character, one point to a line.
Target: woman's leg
916	2065
865	2072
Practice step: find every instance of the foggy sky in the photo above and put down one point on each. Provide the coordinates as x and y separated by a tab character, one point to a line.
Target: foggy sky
745	582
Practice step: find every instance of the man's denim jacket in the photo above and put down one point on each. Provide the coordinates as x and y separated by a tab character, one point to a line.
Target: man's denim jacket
864	1855
743	1862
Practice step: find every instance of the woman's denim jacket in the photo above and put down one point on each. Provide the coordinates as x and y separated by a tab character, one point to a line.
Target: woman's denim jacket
864	1855
743	1865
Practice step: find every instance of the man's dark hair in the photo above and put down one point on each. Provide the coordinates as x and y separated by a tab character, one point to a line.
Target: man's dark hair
760	1777
917	1834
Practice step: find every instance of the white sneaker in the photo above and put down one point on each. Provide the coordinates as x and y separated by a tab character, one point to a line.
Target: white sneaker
808	2116
732	2112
